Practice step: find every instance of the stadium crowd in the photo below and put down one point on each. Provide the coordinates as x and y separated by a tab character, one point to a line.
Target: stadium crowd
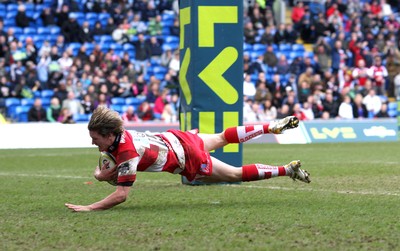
108	52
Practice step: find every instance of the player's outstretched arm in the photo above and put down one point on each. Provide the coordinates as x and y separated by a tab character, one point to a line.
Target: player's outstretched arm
117	197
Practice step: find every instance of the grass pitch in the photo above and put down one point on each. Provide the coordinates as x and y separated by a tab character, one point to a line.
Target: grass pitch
352	203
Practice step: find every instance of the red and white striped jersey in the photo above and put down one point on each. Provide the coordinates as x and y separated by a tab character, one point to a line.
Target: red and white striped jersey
378	73
138	151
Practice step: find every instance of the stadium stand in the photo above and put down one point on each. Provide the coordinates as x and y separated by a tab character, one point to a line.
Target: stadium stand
109	61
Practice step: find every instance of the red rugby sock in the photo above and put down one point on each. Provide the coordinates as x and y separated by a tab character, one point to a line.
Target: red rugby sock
241	134
259	172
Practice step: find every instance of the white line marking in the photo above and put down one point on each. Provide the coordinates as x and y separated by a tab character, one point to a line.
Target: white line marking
233	185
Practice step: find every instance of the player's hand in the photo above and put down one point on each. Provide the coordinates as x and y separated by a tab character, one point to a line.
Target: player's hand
78	208
104	173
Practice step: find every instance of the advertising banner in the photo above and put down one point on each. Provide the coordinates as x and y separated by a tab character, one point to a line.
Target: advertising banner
211	72
352	131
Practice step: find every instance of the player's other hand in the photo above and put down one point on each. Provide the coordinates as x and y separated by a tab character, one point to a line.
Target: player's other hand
105	174
78	208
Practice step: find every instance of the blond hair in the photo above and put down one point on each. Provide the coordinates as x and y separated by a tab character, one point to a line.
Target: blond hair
105	121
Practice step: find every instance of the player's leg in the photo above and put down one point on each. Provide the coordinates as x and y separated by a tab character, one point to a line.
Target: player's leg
240	134
223	172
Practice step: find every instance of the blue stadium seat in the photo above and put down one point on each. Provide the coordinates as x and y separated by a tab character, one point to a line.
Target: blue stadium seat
167	23
104	47
81	117
46	102
17	30
9	22
3	13
127	47
133	101
12	7
298	47
27	101
21	113
47	93
55	30
166	31
117	108
247	47
118	101
285	47
40	7
167	16
259	48
30	31
104	16
43	31
11	104
91	15
116	46
74	46
29	7
171	39
159	70
392	109
3	7
106	39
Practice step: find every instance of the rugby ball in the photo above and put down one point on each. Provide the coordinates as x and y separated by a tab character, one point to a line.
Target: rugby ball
104	158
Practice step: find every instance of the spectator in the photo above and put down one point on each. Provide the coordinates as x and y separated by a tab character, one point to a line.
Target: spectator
346	108
270	57
269	111
97	30
61	14
379	74
174	64
87	104
258	65
47	17
156	49
5	87
73	105
137	25
110	26
280	36
291	34
283	66
298	12
267	37
143	53
249	88
130	115
120	35
359	109
71	30
249	33
145	112
139	87
383	113
65	63
160	104
330	105
166	57
65	116
37	113
155	26
30	50
372	102
102	99
174	30
21	19
53	111
283	111
86	33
